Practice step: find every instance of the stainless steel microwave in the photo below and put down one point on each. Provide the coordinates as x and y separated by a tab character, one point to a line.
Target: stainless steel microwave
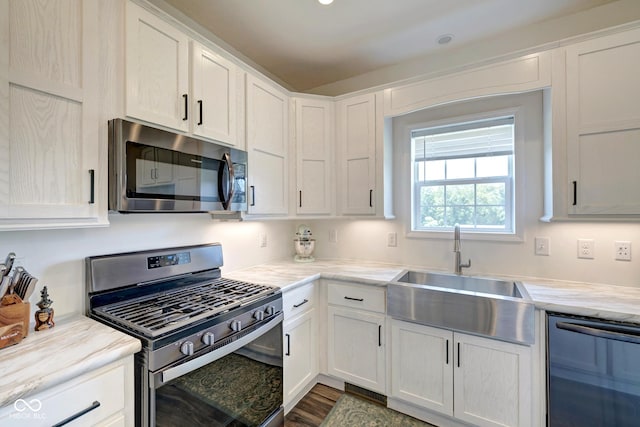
152	170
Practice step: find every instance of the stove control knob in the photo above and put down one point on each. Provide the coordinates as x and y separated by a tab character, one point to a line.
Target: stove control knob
270	310
259	315
187	348
235	325
208	338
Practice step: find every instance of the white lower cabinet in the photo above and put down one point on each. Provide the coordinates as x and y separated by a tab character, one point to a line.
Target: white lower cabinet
300	355
300	343
477	380
356	331
104	397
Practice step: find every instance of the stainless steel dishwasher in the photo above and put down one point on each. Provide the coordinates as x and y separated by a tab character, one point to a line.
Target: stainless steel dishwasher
593	375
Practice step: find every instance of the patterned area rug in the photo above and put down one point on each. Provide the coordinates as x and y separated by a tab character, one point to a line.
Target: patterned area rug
350	411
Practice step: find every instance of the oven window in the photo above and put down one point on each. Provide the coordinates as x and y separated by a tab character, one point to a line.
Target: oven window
159	173
243	388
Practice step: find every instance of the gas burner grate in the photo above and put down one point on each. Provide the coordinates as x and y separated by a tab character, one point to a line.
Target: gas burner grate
156	314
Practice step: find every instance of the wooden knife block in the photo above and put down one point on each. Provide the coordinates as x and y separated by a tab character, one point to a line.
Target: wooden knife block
14	320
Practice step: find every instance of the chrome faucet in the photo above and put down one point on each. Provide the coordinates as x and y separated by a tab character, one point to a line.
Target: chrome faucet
456	249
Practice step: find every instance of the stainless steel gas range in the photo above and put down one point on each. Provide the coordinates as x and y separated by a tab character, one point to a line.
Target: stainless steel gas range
211	347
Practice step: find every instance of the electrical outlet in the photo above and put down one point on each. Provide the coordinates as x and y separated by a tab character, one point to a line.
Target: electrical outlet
586	248
542	246
262	240
622	250
392	239
333	236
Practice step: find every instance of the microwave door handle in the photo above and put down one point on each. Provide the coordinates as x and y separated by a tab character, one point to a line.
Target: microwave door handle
611	334
226	203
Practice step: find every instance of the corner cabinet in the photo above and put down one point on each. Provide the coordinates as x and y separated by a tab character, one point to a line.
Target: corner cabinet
602	125
314	138
481	381
356	334
356	155
364	157
267	115
50	80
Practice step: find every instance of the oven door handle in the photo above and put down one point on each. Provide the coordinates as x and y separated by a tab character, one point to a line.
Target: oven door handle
158	379
611	333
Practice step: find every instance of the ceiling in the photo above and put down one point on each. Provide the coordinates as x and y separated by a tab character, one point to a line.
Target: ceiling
306	45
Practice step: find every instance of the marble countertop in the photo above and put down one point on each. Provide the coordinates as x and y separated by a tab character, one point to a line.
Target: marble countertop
619	303
75	346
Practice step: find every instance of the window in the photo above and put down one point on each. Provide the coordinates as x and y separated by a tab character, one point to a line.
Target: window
463	174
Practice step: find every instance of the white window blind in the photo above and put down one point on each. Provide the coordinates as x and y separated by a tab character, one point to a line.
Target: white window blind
474	139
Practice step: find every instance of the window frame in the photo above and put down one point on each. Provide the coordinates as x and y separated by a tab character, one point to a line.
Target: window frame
517	181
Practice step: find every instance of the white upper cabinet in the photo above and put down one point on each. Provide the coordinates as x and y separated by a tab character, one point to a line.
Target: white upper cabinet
267	144
603	125
356	155
214	99
50	165
314	138
163	88
157	81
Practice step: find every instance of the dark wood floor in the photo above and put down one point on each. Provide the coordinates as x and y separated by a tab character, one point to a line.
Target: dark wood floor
313	407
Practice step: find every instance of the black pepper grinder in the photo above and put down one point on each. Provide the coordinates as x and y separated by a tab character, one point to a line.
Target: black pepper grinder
44	316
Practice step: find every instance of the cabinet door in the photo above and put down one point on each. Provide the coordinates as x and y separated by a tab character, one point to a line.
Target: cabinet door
314	165
357	154
603	125
49	137
267	139
300	355
356	347
156	70
422	366
492	382
214	82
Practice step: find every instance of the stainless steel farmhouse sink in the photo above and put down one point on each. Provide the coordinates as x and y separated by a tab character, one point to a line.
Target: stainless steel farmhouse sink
465	283
495	308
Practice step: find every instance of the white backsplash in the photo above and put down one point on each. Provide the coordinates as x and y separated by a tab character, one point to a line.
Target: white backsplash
367	239
56	257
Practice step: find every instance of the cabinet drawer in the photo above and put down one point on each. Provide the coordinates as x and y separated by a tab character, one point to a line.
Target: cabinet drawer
364	297
298	300
66	400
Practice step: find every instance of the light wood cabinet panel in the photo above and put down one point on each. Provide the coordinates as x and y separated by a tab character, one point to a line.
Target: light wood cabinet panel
356	124
602	124
214	82
477	380
267	140
492	382
314	156
356	349
300	355
108	391
49	140
157	81
422	366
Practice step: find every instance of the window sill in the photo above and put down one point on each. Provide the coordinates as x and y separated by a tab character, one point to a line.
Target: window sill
467	235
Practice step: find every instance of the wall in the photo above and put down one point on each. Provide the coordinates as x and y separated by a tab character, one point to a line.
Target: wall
56	257
367	239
